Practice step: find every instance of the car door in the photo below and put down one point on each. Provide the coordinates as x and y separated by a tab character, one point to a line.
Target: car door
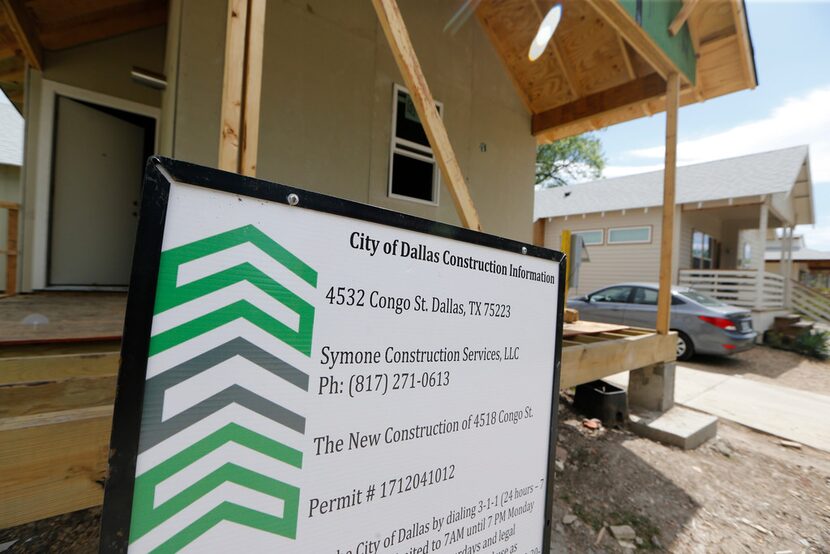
608	305
642	311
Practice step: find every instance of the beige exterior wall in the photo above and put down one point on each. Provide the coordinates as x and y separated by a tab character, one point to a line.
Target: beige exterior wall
612	263
99	68
326	117
10	192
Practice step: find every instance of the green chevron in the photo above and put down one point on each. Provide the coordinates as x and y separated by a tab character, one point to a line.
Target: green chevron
146	517
169	295
242	309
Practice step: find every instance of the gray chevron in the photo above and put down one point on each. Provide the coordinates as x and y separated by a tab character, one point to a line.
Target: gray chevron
154	430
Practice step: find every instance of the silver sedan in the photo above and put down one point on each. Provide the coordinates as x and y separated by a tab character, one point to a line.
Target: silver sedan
704	325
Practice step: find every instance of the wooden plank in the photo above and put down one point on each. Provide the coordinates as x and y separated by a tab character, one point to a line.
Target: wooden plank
24	31
397	36
11	250
616	16
587	362
232	82
744	47
255	44
69	316
51	464
62	367
682	16
44	397
583	327
629	94
667	229
82	28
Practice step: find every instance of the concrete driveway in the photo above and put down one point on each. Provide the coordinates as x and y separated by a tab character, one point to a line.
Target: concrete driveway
785	412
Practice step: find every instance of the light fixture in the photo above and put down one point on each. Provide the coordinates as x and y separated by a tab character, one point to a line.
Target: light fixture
148	78
545	32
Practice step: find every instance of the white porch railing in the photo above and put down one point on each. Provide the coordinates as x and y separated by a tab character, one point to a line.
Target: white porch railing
810	302
737	287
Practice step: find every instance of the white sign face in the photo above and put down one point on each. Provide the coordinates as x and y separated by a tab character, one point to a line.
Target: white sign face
323	384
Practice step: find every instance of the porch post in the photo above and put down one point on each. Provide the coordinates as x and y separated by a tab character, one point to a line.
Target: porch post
759	257
788	268
667	229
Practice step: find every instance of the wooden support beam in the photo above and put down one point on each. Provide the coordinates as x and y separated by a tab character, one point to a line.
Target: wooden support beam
242	86
24	31
622	96
682	16
616	16
397	36
585	362
667	229
231	114
255	44
539	232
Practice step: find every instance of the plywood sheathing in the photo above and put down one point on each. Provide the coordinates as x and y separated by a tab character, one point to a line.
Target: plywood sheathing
590	57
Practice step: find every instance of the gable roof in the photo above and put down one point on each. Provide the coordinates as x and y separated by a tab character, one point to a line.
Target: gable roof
751	175
11	135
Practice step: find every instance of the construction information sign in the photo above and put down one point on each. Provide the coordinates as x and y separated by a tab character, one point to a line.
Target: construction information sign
302	374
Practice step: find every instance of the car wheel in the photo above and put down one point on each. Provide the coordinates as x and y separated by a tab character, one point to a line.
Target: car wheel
685	348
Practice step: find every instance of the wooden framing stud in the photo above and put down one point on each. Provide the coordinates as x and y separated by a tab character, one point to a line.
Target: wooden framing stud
682	16
632	93
255	44
242	86
231	115
24	31
391	21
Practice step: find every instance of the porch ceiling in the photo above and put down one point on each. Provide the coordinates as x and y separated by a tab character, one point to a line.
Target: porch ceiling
602	68
30	27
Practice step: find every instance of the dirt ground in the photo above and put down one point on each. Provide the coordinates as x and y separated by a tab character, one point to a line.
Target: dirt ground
741	492
769	365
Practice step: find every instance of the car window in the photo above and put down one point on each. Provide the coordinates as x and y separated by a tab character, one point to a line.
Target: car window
612	294
701	299
645	296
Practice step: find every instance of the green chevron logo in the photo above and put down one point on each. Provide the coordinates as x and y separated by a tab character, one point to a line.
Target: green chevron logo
179	437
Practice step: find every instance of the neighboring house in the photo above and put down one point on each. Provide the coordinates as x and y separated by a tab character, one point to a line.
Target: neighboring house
810	267
723	212
11	157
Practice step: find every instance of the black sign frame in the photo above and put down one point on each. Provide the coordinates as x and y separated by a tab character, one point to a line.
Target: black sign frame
126	425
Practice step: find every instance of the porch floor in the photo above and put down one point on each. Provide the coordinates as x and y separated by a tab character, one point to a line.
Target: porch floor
49	317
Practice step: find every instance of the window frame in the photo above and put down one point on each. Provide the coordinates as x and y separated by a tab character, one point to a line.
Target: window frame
600	291
412	150
712	247
613	243
601	236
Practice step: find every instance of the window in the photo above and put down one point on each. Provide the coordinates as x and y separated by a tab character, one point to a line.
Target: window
413	173
629	235
594	236
612	294
704	251
645	296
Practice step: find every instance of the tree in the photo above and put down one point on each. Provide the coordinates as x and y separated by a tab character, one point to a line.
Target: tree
573	158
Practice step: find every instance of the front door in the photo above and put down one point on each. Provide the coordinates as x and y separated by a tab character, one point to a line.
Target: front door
99	156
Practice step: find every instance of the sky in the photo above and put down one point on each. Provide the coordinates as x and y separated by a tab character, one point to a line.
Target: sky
790	106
